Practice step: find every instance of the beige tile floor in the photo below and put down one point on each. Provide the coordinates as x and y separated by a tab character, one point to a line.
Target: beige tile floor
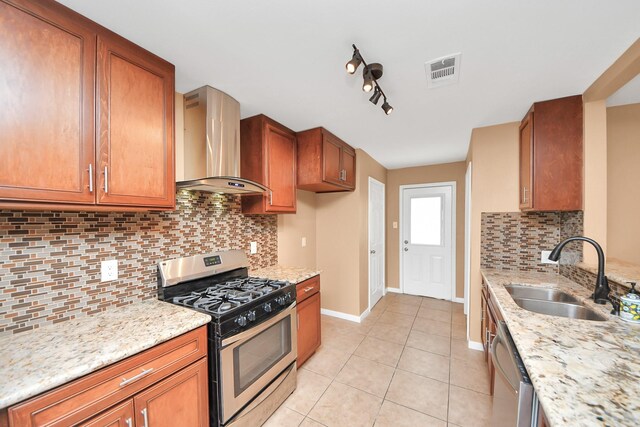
407	364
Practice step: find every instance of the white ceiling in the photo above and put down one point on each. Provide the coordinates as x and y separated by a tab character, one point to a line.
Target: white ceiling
285	58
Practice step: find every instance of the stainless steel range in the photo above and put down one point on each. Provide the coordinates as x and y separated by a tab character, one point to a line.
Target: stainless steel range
252	337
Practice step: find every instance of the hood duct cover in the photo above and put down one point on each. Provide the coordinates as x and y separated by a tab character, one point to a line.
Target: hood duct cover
210	159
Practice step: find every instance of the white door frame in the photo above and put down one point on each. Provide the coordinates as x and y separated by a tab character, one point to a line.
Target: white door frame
467	240
451	184
384	245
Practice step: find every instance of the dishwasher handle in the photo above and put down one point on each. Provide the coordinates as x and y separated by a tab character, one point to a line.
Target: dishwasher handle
499	364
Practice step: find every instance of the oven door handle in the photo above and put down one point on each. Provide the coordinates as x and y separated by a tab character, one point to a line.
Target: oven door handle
261	327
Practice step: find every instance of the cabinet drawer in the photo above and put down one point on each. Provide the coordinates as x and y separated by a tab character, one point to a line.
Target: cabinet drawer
307	288
85	397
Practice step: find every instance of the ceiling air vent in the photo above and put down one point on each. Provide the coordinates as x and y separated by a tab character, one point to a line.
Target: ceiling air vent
443	71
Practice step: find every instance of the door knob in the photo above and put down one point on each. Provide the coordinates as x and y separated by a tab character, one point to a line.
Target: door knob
406	242
406	249
372	251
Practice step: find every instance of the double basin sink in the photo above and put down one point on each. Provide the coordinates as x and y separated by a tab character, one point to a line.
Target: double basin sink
551	302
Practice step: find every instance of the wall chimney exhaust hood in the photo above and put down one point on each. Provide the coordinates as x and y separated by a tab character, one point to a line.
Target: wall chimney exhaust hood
210	158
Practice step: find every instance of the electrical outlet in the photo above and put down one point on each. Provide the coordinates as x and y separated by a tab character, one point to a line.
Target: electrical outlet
109	270
254	247
304	242
544	258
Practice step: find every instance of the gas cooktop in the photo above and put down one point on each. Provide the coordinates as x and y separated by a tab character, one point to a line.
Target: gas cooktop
226	297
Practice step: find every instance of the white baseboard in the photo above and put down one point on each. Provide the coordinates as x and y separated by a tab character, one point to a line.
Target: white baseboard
394	290
458	300
475	345
345	316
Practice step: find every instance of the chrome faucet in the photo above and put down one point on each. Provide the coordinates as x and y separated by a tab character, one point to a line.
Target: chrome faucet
602	291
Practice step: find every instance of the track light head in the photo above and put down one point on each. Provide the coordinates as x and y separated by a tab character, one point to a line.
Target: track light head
376	96
388	109
355	62
369	81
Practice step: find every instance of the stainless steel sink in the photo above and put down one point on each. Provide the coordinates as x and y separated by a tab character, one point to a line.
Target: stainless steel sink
545	294
561	309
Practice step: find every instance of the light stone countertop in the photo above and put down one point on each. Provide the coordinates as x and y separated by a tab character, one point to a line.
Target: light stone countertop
42	359
616	270
585	373
290	274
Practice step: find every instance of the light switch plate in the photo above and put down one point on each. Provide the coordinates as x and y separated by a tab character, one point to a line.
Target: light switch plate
544	258
304	242
109	270
395	224
254	247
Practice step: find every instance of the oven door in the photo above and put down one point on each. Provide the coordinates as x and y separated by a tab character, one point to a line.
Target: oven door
250	360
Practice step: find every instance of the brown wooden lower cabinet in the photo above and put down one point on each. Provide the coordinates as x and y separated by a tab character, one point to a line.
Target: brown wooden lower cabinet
309	324
165	385
120	416
490	318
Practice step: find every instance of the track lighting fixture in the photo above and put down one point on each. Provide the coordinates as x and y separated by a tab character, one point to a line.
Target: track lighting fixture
370	74
376	96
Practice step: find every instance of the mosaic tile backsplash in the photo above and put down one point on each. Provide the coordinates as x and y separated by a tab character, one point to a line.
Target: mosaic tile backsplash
514	240
50	261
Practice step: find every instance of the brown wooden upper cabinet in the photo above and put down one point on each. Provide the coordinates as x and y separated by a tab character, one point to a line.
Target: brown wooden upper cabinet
551	156
87	116
268	156
325	162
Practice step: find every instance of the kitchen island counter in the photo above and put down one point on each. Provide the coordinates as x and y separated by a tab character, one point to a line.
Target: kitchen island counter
585	373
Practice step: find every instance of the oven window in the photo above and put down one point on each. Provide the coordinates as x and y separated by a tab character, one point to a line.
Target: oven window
256	356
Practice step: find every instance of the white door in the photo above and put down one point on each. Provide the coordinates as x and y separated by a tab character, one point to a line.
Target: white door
426	241
376	241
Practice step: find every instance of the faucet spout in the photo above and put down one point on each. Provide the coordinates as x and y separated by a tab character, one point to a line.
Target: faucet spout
601	293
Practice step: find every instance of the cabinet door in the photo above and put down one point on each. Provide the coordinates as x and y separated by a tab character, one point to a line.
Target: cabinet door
280	163
47	103
309	332
180	400
485	325
135	126
119	416
331	159
526	162
349	167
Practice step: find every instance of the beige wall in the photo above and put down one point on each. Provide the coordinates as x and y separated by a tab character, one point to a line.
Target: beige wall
595	177
493	152
293	227
342	247
423	175
623	183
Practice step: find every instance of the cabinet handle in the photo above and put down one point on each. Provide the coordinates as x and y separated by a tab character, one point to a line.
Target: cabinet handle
144	372
344	178
310	288
128	422
106	180
297	321
524	194
145	417
271	197
90	178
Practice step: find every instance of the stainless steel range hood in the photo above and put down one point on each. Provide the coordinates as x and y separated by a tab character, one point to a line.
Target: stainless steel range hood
210	159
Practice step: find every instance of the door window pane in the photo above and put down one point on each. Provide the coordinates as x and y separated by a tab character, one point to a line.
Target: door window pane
426	220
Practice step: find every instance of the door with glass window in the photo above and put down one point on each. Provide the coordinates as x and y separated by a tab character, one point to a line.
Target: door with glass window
426	241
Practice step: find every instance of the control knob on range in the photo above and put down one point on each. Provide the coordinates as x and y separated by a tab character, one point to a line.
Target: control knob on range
267	307
241	320
281	300
251	316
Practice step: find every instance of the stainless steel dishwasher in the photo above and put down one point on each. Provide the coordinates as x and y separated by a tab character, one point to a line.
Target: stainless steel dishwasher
514	402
